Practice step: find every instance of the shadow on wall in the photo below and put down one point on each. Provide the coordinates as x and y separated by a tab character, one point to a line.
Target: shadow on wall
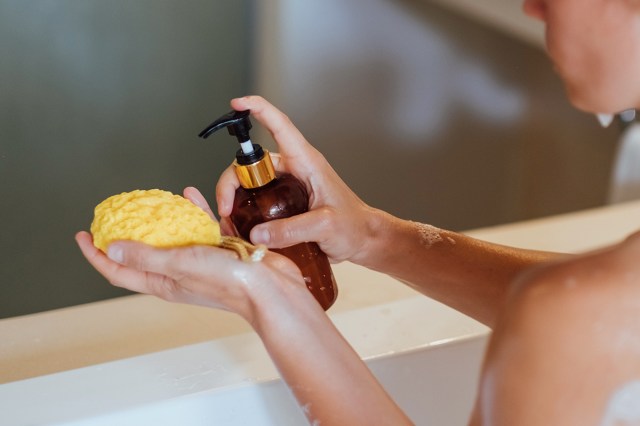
433	116
98	98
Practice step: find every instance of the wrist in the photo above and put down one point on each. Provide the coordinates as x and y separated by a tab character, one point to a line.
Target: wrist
378	233
391	240
280	299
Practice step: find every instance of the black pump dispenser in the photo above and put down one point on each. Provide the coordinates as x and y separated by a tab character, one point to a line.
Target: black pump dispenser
253	164
238	124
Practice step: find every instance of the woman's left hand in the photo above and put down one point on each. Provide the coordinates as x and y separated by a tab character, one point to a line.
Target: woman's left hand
201	275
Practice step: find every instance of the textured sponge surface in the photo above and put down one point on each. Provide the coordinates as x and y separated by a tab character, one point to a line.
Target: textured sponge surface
155	217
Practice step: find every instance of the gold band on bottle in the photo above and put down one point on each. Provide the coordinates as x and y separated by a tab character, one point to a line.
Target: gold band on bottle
257	174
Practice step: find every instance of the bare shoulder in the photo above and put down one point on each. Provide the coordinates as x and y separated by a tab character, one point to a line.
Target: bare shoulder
568	342
601	270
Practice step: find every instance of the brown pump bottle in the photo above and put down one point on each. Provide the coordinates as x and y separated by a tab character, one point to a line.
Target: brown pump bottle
265	195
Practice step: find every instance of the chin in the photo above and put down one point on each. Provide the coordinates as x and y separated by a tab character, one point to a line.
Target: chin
600	101
581	103
591	103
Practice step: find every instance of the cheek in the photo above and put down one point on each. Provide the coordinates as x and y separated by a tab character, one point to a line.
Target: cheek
608	82
599	67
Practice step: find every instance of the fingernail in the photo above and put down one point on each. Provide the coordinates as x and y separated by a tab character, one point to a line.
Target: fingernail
115	253
260	236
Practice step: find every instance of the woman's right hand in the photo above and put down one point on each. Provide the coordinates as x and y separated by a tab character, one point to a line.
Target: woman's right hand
340	222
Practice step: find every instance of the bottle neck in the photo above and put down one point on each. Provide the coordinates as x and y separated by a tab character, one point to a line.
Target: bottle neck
256	174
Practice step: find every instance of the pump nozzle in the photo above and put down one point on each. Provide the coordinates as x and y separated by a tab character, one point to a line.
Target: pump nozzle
253	164
238	124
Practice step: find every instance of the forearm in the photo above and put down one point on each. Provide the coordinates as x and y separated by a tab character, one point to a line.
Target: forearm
330	381
469	275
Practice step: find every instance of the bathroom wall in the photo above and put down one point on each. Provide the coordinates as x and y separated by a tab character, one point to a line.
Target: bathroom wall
433	115
96	98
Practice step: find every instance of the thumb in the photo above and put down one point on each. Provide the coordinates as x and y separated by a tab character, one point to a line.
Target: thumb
305	227
174	262
139	256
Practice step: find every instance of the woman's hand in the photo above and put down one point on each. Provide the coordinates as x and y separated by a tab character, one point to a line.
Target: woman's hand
200	275
337	220
272	296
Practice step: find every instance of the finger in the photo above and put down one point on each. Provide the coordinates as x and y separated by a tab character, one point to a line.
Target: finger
229	183
141	257
226	191
278	164
291	143
227	227
195	196
175	263
310	226
116	273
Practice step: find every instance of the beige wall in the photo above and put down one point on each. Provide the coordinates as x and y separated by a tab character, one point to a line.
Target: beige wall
424	112
430	114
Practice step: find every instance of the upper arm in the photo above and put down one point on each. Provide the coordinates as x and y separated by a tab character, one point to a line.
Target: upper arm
568	340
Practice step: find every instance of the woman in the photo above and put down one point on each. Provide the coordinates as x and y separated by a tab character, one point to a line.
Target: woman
565	345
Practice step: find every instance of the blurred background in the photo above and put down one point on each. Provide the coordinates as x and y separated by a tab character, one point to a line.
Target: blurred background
439	112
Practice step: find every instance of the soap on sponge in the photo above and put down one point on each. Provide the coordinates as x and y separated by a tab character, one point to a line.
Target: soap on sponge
155	217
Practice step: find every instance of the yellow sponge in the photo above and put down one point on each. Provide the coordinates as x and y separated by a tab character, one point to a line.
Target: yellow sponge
155	217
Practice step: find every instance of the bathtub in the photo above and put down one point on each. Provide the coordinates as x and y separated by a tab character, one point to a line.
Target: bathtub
137	360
